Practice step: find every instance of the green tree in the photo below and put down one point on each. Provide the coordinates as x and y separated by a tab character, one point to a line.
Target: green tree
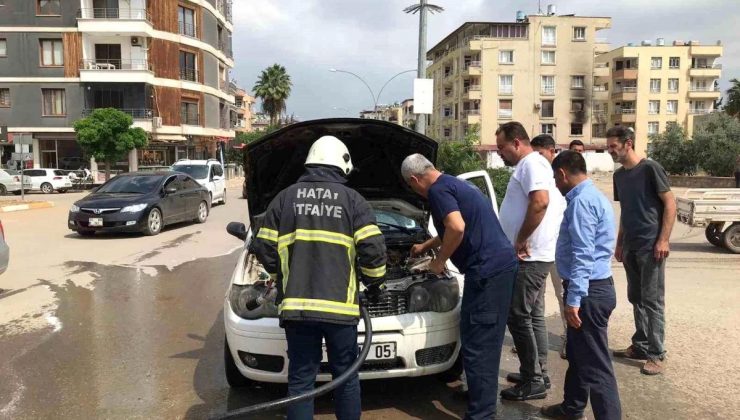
107	136
458	157
674	151
500	180
733	99
273	88
717	144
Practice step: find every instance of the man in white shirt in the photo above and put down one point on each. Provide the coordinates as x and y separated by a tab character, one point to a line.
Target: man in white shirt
530	216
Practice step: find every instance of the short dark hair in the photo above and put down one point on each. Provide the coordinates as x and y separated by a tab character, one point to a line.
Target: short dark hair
513	130
544	141
622	133
572	162
576	143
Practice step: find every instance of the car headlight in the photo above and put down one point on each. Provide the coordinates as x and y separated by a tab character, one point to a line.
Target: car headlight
134	208
251	302
438	295
74	209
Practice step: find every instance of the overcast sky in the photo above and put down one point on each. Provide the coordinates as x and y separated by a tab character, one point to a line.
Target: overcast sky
375	39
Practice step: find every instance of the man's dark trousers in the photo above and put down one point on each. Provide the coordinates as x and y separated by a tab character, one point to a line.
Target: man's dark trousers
590	371
646	293
304	352
485	307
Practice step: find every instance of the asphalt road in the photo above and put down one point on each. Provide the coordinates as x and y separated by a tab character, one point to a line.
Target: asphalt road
131	327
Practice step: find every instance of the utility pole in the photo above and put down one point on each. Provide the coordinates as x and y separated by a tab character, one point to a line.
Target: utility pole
422	8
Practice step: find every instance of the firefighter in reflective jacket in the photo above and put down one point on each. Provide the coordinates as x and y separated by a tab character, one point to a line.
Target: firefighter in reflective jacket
314	236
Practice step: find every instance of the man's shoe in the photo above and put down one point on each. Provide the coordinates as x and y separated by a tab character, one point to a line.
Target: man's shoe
556	412
517	379
653	367
563	353
630	353
525	391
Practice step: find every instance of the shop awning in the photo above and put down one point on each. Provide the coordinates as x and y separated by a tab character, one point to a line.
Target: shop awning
168	137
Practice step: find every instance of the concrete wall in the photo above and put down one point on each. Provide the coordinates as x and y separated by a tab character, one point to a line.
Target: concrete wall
26	105
701	181
23	13
24	55
210	72
212	119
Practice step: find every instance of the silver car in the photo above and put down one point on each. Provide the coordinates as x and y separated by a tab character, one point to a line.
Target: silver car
10	181
4	250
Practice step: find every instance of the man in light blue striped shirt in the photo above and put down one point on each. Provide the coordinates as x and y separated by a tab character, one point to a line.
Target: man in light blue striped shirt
583	258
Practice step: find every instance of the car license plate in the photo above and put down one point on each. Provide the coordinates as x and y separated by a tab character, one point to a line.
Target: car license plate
378	351
95	221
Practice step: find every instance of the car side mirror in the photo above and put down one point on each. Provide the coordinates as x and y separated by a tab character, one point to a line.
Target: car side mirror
170	190
237	229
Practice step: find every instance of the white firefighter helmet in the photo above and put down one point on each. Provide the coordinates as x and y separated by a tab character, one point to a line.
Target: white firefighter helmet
329	150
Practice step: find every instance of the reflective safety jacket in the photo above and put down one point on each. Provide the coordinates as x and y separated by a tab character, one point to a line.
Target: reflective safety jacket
314	235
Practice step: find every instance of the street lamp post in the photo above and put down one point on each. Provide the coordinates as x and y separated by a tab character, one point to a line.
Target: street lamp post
333	70
375	98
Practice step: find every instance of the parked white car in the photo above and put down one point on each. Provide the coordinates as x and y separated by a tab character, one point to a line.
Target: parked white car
416	320
48	180
209	173
10	181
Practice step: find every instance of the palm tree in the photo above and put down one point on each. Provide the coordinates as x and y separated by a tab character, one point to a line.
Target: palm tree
273	88
733	99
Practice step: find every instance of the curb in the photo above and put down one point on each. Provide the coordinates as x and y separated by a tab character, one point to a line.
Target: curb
30	206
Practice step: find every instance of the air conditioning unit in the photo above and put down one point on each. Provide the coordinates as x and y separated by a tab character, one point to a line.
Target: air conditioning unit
157	122
135	41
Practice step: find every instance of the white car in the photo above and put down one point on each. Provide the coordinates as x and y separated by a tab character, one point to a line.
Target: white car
48	180
416	321
209	173
10	181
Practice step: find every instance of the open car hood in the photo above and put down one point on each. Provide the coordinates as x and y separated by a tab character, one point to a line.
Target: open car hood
377	148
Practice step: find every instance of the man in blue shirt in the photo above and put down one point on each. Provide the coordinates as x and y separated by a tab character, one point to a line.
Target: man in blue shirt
471	236
583	257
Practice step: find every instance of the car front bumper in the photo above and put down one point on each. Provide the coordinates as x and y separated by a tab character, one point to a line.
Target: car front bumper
114	222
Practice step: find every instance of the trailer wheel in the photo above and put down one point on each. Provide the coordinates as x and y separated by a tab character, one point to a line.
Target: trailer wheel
731	238
714	235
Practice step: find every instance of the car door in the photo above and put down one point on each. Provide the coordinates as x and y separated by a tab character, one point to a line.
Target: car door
37	177
191	195
173	204
219	180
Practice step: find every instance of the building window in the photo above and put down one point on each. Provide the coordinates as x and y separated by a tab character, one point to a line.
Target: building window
579	33
505	108
653	107
5	98
548	109
548	35
655	85
674	62
48	7
506	57
653	127
447	132
447	111
188	70
672	107
656	63
548	85
547	128
577	82
576	105
189	113
576	129
505	84
53	102
3	48
52	53
673	85
186	21
548	57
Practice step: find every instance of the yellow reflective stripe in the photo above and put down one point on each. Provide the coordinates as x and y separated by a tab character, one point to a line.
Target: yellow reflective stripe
284	265
352	285
373	272
314	236
268	234
366	232
319	305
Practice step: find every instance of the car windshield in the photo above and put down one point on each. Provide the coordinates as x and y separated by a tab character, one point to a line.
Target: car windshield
196	171
131	184
397	221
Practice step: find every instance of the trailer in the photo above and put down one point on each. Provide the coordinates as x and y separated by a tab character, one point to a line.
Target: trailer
715	209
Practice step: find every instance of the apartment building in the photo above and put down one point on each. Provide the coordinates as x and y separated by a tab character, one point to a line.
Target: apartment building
243	104
537	70
648	86
407	110
164	62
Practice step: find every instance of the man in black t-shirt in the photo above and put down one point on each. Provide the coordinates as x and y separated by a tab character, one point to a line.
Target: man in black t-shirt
648	211
471	236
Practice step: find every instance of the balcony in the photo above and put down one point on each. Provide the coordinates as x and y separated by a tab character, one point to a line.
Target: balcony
114	21
600	93
505	114
601	69
189	75
142	116
225	8
116	70
472	116
706	70
548	91
704	92
626	74
473	92
625	115
473	68
187	29
626	93
700	111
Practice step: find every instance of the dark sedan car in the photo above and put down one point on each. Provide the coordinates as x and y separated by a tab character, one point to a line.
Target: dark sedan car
140	202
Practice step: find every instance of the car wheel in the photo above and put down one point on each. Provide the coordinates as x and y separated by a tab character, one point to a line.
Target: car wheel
46	188
223	200
714	235
153	222
18	192
3	190
82	232
731	238
202	212
234	378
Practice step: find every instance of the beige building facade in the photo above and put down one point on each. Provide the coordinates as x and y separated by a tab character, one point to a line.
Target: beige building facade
646	87
243	105
538	70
